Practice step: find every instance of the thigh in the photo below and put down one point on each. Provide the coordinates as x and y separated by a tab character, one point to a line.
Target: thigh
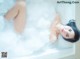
20	19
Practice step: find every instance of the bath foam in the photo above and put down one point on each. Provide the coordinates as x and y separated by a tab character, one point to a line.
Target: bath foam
37	35
40	16
2	23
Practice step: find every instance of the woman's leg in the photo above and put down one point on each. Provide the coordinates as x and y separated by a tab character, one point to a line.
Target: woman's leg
18	13
20	19
12	13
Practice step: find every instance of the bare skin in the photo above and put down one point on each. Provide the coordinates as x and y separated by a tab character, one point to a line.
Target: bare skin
58	29
53	30
18	14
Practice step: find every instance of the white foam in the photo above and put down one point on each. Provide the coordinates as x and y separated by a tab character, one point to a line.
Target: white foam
40	15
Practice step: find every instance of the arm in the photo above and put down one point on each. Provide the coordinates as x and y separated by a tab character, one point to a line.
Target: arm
53	36
56	20
53	33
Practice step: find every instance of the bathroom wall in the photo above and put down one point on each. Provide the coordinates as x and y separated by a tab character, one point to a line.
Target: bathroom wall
78	24
69	57
77	49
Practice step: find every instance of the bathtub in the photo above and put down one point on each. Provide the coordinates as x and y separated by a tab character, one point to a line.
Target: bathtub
40	14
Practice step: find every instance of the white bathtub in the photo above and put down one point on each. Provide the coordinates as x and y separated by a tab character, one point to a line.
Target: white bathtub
40	15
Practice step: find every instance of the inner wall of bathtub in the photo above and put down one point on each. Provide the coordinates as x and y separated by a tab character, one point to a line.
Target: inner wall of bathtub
40	14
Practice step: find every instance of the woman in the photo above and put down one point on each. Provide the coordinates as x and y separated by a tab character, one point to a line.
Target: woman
69	31
18	14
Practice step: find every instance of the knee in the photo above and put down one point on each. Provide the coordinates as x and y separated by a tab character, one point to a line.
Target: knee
22	4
